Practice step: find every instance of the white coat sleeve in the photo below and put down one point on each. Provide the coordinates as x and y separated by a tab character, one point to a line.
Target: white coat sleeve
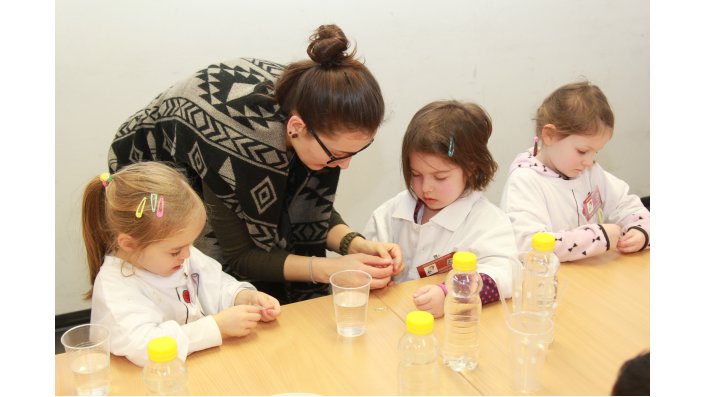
218	289
496	250
625	209
379	225
526	206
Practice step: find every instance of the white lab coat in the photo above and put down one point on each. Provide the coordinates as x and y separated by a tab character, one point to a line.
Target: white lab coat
471	223
137	305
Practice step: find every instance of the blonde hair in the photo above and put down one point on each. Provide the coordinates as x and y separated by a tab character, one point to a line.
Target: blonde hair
575	108
431	129
110	211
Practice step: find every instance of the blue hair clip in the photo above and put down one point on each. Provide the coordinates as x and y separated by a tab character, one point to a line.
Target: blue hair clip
451	147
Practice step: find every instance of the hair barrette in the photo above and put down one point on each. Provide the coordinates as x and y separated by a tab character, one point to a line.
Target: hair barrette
536	145
140	208
451	147
156	204
105	178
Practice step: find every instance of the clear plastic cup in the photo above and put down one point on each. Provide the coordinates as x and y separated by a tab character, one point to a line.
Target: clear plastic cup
351	293
88	349
530	335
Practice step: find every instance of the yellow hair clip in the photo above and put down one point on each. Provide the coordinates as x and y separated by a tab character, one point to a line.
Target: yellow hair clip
140	208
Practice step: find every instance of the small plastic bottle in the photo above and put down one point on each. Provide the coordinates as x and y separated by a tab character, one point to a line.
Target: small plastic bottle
539	283
462	307
165	374
418	357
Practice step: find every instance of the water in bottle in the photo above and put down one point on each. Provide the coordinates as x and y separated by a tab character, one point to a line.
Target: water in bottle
462	307
539	284
418	357
165	374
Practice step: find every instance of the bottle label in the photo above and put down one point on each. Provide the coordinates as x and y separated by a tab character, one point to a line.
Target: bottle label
441	264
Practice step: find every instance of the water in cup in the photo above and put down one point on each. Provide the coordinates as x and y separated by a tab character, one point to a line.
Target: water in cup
351	312
91	374
530	335
88	350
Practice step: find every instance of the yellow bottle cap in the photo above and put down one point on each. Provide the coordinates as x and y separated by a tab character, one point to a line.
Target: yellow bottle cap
162	349
543	241
465	261
419	322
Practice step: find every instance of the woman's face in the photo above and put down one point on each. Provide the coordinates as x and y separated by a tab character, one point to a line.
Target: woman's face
318	151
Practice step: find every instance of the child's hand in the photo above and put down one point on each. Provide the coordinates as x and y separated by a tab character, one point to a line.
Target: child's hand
237	320
631	242
430	298
613	232
269	303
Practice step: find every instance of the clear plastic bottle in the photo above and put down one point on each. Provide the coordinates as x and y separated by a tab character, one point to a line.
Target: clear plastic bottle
539	283
165	374
418	357
462	308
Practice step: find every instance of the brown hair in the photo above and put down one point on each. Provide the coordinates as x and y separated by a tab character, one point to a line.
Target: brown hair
431	129
575	108
333	90
109	211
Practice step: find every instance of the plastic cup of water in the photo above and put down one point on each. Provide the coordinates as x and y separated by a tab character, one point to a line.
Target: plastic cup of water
529	337
88	349
351	292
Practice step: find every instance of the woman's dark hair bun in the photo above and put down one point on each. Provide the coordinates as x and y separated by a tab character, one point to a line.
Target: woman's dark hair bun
328	46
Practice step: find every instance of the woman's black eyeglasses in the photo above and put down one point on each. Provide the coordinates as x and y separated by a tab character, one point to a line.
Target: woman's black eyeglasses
333	158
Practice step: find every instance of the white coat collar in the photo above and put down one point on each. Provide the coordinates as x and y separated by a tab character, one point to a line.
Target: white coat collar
174	280
450	217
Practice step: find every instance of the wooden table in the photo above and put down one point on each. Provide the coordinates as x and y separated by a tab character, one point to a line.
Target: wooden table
602	320
300	352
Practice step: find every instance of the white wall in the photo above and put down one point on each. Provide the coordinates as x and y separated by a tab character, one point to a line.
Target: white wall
113	57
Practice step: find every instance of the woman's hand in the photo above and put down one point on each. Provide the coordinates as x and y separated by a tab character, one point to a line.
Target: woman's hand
379	268
383	250
270	305
430	298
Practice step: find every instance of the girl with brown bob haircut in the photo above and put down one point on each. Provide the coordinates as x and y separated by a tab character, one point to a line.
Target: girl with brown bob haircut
446	165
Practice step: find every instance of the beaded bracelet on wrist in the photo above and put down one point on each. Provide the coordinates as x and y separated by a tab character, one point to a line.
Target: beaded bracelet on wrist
346	240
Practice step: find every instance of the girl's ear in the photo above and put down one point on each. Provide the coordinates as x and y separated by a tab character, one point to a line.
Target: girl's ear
127	243
549	134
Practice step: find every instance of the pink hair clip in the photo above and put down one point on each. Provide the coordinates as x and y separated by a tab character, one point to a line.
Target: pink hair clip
160	207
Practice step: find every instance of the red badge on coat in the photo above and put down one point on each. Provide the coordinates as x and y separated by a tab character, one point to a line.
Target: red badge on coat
187	296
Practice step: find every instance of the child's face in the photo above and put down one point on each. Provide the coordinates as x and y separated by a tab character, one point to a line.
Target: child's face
436	181
575	153
166	257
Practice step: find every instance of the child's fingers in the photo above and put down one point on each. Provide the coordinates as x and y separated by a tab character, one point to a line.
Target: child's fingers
422	299
422	290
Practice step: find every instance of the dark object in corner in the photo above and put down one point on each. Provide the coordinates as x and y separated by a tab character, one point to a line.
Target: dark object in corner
645	201
634	377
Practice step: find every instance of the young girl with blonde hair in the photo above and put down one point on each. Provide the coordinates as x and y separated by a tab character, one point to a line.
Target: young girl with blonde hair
446	165
139	226
558	186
